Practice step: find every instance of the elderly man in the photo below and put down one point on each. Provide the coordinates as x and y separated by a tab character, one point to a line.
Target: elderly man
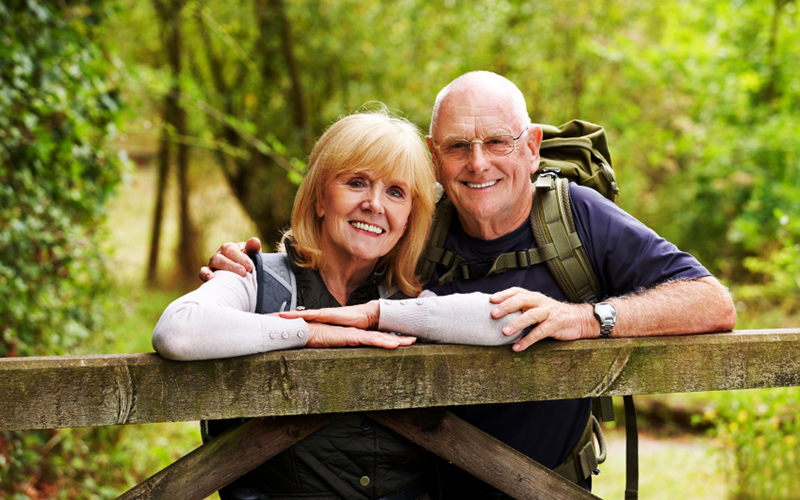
654	288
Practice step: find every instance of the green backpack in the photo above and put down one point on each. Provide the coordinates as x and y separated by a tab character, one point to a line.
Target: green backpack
574	152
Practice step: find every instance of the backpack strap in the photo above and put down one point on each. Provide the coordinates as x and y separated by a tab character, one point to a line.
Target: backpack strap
552	223
273	274
434	252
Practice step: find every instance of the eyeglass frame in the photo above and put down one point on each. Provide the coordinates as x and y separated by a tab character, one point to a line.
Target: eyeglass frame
481	142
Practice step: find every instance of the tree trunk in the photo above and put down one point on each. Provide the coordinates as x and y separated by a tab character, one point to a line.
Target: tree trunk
169	13
158	212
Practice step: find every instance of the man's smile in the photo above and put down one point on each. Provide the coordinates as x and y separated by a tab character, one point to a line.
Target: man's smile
472	185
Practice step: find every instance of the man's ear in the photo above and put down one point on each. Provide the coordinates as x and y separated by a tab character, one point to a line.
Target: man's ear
434	156
534	143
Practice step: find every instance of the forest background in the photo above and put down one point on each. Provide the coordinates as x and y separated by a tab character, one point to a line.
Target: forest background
115	114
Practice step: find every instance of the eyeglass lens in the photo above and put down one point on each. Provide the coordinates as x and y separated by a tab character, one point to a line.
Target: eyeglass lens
502	145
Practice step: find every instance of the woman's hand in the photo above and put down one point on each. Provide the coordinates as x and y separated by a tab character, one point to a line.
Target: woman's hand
363	316
323	335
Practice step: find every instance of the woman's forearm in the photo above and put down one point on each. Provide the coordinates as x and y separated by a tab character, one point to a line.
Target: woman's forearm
217	321
450	319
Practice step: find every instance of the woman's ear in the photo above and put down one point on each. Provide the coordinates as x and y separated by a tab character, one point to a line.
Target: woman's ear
320	211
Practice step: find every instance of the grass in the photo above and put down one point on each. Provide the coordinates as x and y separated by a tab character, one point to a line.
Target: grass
672	468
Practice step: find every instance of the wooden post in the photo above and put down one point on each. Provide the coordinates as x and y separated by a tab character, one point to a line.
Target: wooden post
480	454
226	458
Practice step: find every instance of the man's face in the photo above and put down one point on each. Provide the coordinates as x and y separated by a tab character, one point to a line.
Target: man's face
492	194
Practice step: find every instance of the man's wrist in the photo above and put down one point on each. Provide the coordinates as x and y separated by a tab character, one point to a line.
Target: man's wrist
606	316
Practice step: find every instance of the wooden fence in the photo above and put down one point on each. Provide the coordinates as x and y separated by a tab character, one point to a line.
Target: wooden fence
296	392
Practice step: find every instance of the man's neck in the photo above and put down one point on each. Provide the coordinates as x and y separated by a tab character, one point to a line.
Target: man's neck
492	228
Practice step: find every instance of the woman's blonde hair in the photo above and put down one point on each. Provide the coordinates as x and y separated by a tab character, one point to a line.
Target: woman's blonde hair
386	146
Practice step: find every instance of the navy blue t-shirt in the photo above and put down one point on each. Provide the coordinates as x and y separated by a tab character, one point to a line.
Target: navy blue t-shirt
626	256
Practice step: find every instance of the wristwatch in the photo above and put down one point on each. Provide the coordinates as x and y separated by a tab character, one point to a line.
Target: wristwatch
606	314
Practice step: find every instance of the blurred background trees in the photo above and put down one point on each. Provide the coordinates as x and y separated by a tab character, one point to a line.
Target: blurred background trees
701	100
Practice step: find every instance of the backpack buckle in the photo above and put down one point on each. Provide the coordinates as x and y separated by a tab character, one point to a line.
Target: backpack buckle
475	268
550	172
522	260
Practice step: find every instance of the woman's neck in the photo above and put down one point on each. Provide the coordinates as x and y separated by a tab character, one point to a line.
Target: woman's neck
342	281
343	273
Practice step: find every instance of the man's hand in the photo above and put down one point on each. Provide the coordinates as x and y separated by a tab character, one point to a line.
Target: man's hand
322	335
231	257
549	318
363	316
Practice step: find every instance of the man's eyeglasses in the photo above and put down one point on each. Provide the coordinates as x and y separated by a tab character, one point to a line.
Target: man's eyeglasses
460	149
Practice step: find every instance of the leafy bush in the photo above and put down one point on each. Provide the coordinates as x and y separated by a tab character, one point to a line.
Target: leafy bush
56	115
759	432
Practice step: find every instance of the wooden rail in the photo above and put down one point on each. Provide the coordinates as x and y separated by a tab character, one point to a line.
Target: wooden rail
77	391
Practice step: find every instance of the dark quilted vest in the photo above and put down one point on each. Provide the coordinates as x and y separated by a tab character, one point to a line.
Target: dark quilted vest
336	461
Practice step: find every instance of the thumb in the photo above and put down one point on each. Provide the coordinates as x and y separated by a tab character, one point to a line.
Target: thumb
253	245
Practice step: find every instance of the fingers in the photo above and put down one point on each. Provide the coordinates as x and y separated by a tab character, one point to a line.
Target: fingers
253	245
536	335
206	274
316	315
383	340
322	335
505	294
219	262
518	300
230	257
531	317
363	316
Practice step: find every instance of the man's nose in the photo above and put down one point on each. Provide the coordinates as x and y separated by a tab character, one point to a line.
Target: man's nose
478	160
373	201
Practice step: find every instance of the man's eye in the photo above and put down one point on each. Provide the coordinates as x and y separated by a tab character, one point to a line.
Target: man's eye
457	146
495	140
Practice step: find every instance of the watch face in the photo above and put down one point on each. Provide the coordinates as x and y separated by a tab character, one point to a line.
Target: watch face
606	311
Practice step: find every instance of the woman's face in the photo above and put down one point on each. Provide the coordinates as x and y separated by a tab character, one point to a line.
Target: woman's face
363	216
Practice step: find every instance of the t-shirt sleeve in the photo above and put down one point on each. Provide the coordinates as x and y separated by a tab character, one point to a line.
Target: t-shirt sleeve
626	254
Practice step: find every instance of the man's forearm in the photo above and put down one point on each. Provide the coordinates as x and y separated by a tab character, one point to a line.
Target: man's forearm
680	307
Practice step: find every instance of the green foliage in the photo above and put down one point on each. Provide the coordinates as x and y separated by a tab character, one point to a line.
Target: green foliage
759	431
56	114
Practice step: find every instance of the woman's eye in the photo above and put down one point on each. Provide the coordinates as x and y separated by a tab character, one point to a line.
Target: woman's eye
356	183
396	193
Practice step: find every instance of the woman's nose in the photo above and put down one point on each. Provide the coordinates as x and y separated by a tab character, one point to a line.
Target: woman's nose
373	202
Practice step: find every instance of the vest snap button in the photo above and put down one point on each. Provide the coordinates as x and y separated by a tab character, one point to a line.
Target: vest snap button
364	481
366	425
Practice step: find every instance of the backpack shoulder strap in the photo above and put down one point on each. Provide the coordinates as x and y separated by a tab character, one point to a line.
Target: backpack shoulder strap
274	274
552	222
434	252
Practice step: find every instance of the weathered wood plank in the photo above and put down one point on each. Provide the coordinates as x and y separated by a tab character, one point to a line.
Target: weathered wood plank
225	458
140	388
480	454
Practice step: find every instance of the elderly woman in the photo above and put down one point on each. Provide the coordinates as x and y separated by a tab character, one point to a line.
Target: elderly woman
359	224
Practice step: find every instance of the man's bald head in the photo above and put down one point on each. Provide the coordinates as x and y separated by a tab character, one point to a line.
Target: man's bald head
487	84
